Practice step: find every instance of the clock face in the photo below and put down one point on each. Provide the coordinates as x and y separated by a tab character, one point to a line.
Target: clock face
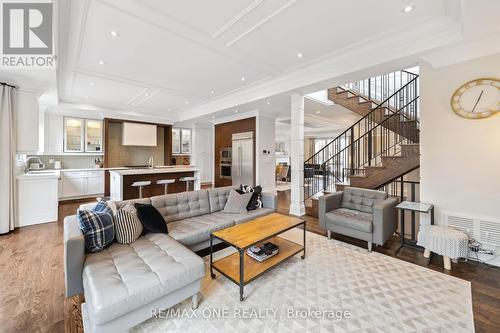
477	99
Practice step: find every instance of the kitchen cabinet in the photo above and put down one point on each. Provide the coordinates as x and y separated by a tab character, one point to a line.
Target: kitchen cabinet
82	135
53	132
181	141
27	123
73	135
93	136
81	183
36	199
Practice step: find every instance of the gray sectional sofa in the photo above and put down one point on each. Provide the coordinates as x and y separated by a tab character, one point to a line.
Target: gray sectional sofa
124	283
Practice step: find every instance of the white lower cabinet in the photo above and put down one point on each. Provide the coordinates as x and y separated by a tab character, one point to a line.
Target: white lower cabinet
81	184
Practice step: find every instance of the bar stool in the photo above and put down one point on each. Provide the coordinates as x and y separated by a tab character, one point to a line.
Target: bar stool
188	180
165	182
141	185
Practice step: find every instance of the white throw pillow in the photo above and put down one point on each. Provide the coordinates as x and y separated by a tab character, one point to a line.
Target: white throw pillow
237	203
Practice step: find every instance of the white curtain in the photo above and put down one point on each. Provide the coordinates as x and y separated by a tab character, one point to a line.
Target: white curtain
7	159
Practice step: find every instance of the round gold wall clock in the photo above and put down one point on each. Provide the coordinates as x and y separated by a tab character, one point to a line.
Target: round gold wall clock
477	99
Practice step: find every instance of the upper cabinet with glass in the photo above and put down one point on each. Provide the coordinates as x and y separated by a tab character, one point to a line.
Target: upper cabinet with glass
73	135
181	141
82	135
93	136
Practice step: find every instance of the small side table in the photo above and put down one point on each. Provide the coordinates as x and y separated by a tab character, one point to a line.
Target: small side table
414	207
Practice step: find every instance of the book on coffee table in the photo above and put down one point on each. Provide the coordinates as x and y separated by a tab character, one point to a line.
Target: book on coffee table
263	252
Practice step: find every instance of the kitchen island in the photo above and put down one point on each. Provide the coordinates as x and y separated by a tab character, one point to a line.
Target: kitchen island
121	181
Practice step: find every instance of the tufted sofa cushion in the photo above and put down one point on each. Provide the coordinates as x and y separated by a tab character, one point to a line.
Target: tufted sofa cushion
197	229
361	199
125	277
244	217
179	206
218	197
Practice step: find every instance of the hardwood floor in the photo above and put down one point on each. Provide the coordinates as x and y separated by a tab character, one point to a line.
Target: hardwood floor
32	293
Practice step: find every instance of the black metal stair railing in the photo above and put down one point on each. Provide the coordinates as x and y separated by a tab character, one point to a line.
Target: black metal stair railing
391	123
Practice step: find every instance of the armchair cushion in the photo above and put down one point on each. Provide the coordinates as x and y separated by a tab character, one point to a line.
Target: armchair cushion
361	199
328	203
350	219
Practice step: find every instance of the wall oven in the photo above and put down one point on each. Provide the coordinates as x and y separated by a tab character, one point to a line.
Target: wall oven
225	170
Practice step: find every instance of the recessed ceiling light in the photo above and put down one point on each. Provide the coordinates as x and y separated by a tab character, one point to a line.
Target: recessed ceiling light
132	104
212	92
101	62
186	102
242	78
268	103
408	9
235	111
169	110
86	96
318	111
213	117
146	94
114	33
299	55
92	84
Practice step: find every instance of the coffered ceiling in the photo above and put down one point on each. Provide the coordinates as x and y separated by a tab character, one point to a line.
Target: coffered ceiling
165	58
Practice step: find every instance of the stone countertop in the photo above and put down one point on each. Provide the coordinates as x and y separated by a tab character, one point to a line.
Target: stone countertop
169	169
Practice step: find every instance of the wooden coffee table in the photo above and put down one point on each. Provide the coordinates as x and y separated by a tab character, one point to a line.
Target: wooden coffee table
242	269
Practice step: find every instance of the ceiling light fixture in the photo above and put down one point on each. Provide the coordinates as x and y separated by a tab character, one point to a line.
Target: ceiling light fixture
101	62
318	112
299	55
92	84
242	78
86	96
133	104
186	102
213	117
146	94
235	111
212	92
169	110
114	33
408	9
268	103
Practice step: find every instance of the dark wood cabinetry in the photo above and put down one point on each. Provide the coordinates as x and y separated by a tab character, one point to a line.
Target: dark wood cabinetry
223	139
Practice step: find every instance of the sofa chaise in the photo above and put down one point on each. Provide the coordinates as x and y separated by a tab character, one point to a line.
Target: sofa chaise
124	283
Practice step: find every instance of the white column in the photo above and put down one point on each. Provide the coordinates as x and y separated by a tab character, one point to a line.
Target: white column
297	155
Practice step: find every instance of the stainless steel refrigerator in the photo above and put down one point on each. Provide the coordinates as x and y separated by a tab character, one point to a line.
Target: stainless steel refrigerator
242	162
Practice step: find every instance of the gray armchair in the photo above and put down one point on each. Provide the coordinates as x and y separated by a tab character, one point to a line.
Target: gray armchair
364	214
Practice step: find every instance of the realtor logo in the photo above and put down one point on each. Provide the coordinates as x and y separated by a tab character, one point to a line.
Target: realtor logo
27	28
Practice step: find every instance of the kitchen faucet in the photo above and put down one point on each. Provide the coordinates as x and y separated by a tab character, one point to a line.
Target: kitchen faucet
27	169
151	163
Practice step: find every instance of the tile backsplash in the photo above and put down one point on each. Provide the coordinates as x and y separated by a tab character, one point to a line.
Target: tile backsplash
67	161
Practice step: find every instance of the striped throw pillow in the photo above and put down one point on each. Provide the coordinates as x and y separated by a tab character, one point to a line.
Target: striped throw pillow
128	227
97	227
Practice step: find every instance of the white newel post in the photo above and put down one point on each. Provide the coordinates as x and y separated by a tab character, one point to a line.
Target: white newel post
297	155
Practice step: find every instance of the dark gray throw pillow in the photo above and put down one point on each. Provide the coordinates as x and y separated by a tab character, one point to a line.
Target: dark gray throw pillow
151	219
237	203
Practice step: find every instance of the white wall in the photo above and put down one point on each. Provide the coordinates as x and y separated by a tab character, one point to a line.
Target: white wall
460	158
265	163
203	150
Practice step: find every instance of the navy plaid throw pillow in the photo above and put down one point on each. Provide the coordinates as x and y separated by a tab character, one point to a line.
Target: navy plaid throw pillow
97	226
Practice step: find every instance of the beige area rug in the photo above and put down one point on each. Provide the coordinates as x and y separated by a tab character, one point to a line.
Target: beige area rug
337	288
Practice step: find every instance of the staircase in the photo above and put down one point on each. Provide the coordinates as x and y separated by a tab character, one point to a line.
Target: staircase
382	146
